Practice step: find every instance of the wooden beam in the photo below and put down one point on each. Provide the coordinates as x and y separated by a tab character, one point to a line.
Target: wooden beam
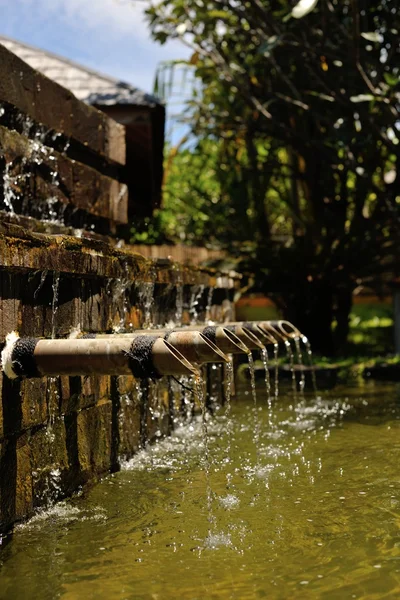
48	103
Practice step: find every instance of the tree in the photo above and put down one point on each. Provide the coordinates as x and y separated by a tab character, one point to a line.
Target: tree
308	107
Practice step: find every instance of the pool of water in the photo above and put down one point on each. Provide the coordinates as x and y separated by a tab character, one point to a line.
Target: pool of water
299	502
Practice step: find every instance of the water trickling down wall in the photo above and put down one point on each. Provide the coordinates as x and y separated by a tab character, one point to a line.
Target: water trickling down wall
61	168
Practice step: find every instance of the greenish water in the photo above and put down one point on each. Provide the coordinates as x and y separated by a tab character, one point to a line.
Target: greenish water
312	512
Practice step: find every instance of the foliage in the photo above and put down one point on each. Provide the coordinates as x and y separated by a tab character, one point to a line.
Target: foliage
303	115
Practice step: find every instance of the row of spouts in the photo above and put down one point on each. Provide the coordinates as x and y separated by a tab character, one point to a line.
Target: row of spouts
145	354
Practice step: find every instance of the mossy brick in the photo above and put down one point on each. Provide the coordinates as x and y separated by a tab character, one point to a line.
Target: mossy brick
10	306
128	426
33	402
23	481
95	389
49	461
1	408
157	410
94	438
128	385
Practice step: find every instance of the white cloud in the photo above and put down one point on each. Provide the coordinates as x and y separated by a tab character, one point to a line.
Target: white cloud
110	36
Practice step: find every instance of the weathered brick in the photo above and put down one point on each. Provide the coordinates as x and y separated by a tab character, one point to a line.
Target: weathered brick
94	438
49	462
34	404
23	485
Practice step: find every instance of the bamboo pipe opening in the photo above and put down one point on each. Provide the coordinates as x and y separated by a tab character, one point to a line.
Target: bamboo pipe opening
273	329
238	346
196	347
289	329
263	335
246	336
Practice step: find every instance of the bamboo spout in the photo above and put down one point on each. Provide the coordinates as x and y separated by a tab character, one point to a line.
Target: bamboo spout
281	329
265	336
225	339
196	347
193	345
246	336
142	357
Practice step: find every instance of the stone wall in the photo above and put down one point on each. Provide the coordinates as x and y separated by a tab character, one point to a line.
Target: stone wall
58	433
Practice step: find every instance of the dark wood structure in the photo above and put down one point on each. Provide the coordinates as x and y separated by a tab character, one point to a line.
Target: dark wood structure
142	115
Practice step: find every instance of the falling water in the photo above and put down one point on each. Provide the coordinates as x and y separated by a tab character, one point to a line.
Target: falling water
228	385
264	358
209	304
291	366
186	410
179	304
52	478
200	397
54	304
257	424
43	276
252	377
179	296
228	395
276	374
299	357
146	299
307	344
197	292
9	194
120	303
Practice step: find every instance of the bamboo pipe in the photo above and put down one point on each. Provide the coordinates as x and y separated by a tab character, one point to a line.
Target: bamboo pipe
275	331
143	357
246	336
193	345
284	329
225	339
255	327
249	341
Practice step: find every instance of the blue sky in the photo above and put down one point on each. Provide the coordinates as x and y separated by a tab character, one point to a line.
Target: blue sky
110	36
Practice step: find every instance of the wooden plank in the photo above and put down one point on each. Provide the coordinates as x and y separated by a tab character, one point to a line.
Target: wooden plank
184	254
40	179
47	102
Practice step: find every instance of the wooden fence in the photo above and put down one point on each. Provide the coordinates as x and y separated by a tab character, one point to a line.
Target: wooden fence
189	255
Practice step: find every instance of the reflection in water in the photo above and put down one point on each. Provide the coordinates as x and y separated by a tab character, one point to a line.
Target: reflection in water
315	516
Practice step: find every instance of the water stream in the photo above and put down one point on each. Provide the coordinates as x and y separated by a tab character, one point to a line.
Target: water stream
264	358
318	518
276	371
299	357
289	352
307	344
